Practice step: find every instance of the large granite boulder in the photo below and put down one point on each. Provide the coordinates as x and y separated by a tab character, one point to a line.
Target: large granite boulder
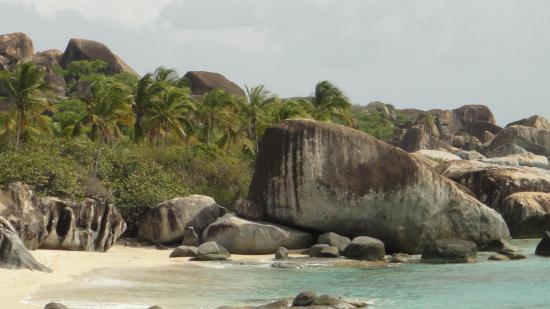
329	177
450	251
527	214
528	160
531	139
241	236
437	155
466	117
365	248
168	221
202	82
421	137
15	46
482	130
52	223
333	239
13	253
504	150
534	121
80	49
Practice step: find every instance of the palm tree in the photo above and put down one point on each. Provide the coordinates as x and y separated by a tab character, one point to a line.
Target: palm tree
293	108
170	111
256	108
22	92
107	110
329	103
218	108
143	94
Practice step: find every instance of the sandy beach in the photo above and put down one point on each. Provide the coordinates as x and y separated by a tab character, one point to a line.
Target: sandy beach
16	285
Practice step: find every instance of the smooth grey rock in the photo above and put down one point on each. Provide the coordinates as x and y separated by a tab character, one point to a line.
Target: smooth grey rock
469	155
168	221
281	253
211	247
543	247
190	237
503	150
365	248
280	265
13	254
55	306
520	160
315	250
333	239
184	251
333	178
437	155
329	252
241	236
304	299
450	251
210	257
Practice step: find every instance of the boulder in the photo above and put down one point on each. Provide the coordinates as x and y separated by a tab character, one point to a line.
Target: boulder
482	130
15	46
437	155
365	248
418	138
53	223
492	183
531	139
190	237
202	82
210	257
315	250
55	306
211	251
327	301
56	84
469	155
242	236
503	150
285	266
80	49
184	251
543	248
500	245
535	121
332	178
281	253
4	63
249	210
399	258
520	160
304	299
13	253
498	257
450	251
52	53
47	62
333	239
168	221
329	252
527	214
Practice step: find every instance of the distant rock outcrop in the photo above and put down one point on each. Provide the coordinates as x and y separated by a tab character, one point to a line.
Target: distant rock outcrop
531	139
80	49
15	46
203	82
333	178
535	121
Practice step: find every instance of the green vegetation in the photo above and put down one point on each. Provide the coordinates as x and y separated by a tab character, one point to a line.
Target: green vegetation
138	141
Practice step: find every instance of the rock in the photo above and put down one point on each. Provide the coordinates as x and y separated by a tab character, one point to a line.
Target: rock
498	257
315	250
543	248
53	223
280	304
421	138
155	307
503	150
249	210
437	155
365	248
531	139
45	62
450	251
55	306
331	302
80	49
469	155
210	257
520	160
329	252
482	130
527	214
333	178
168	221
399	258
281	253
15	46
333	239
280	265
13	254
535	121
512	255
52	53
56	84
203	82
184	251
4	63
304	299
242	236
190	237
211	247
500	245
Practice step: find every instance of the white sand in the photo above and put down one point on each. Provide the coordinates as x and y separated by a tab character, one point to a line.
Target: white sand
16	285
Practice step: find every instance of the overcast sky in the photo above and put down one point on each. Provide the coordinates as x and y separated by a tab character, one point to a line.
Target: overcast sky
411	53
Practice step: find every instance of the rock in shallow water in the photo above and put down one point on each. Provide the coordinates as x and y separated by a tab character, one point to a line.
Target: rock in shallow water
450	251
281	253
543	248
333	178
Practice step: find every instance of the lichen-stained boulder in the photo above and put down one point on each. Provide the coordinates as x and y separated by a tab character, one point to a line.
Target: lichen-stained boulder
202	82
329	177
13	253
241	236
492	183
81	49
14	46
168	221
531	139
527	214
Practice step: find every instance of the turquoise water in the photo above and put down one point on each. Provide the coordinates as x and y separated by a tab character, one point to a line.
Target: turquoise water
486	284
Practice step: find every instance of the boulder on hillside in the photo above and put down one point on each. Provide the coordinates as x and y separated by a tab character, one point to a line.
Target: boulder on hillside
418	138
53	223
531	139
450	251
543	248
527	214
168	221
329	177
203	82
13	253
15	46
492	183
480	130
80	49
241	236
467	117
535	121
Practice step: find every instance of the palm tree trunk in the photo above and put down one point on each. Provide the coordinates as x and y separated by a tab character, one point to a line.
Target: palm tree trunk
97	154
18	133
255	132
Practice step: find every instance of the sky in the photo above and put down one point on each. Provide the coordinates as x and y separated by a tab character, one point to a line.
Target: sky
412	53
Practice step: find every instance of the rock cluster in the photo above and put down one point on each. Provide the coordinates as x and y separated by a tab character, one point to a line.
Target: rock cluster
309	300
